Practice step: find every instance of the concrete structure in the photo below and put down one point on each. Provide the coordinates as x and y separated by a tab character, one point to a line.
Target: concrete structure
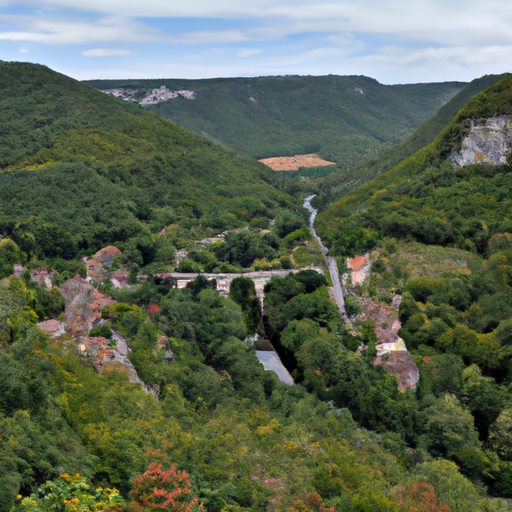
260	278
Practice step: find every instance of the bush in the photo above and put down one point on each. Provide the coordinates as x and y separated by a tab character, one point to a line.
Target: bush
103	331
352	306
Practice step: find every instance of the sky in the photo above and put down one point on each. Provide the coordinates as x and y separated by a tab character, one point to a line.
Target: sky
394	41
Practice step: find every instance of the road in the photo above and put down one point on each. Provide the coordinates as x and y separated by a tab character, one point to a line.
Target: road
336	291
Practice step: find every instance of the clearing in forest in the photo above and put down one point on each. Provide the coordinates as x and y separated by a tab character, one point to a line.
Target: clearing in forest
294	163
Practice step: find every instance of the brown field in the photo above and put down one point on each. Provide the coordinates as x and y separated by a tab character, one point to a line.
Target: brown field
294	163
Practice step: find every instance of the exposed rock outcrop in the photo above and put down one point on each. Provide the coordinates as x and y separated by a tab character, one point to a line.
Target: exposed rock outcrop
83	308
107	255
163	344
95	270
401	364
83	305
153	97
53	327
18	270
488	142
392	351
42	277
119	279
122	351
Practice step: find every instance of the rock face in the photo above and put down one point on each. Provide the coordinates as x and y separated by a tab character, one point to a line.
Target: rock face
18	270
401	364
53	327
488	142
42	277
83	305
106	355
121	355
392	351
119	279
95	270
107	255
153	97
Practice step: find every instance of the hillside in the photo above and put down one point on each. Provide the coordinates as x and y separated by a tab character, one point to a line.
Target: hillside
426	186
438	232
125	392
95	170
342	118
339	183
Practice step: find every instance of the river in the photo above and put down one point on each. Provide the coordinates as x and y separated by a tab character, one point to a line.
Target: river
270	360
336	291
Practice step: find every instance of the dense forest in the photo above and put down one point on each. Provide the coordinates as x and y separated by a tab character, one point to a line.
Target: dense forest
342	182
247	441
81	170
440	238
343	118
210	429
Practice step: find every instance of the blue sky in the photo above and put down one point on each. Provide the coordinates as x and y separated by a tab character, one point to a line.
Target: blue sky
394	41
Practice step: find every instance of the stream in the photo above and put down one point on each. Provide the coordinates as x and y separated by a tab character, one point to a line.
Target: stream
336	291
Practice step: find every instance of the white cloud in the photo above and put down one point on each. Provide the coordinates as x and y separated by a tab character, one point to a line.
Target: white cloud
314	55
392	40
106	52
247	52
23	50
208	37
394	64
435	21
48	30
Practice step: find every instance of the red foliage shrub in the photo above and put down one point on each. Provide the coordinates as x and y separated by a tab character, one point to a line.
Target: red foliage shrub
419	497
153	309
169	490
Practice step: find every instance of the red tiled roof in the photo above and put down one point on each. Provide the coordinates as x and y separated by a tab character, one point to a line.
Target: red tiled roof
356	263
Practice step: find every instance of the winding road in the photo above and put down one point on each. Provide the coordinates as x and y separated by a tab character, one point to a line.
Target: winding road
336	291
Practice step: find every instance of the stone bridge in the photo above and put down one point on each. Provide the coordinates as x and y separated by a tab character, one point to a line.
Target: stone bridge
260	278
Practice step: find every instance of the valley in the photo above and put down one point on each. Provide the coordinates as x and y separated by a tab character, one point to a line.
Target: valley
146	272
342	118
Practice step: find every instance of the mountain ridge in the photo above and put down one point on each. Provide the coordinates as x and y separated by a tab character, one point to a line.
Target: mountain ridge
342	118
120	170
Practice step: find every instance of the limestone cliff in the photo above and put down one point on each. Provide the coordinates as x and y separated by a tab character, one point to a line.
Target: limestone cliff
487	142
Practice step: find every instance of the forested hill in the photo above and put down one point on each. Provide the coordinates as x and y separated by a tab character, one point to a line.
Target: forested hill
424	197
439	233
79	433
97	169
344	181
342	118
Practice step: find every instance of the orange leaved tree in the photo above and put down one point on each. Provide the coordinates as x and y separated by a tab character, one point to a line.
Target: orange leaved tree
169	491
419	497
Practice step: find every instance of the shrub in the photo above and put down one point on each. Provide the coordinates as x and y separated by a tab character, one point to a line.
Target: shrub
103	331
352	306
